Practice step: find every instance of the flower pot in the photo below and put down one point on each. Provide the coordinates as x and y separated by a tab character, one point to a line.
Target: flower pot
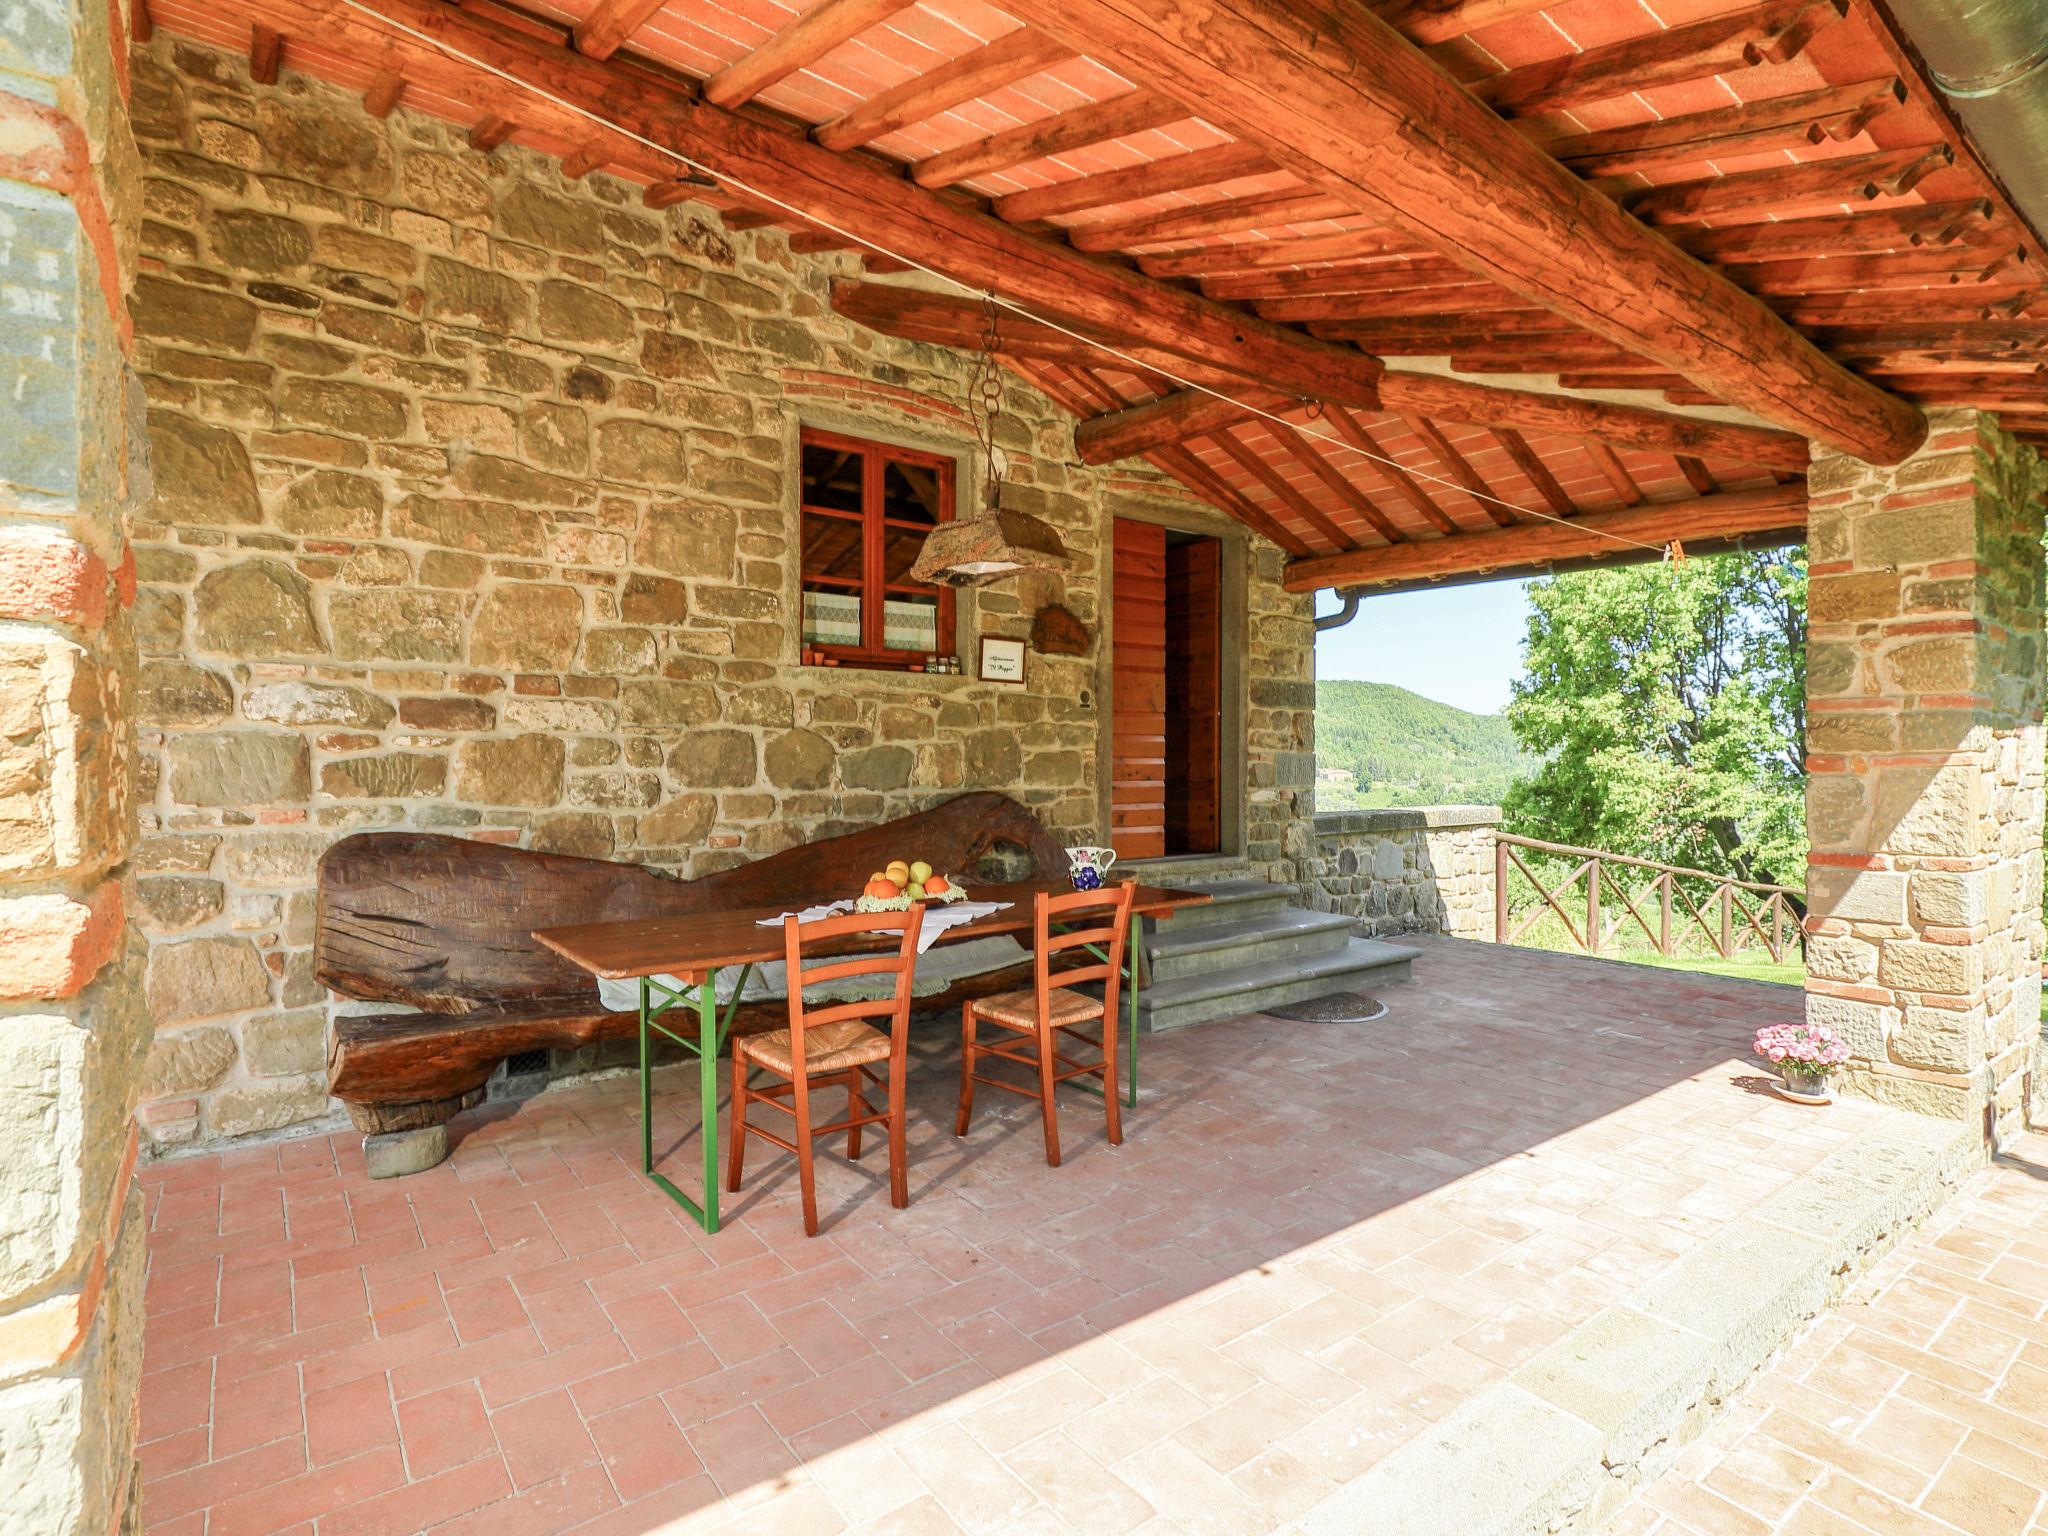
1807	1087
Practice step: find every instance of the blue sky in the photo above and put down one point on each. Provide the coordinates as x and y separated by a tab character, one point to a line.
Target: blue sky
1460	645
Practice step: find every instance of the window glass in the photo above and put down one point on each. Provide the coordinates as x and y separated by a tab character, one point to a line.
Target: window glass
867	509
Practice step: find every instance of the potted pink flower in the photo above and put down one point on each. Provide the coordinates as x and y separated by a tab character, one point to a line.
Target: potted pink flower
1804	1055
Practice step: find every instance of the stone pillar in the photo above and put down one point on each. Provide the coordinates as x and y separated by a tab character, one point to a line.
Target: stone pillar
72	1032
1924	795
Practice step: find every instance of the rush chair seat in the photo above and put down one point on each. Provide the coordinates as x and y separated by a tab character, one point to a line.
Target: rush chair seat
1034	1019
832	1046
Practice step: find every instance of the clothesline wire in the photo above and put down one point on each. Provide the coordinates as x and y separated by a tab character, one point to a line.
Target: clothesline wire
1309	430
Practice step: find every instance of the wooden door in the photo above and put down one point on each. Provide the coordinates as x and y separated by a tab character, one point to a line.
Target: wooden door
1137	811
1194	695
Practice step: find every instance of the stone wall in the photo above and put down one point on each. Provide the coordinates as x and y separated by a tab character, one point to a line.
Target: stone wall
1924	794
72	1030
476	512
1423	869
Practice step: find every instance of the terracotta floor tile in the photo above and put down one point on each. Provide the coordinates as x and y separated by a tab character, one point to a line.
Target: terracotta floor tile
542	1438
444	1429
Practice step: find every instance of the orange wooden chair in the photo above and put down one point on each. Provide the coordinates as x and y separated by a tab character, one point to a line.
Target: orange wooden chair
1037	1018
831	1046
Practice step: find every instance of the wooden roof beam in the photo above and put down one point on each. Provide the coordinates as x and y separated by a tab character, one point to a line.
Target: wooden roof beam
1775	122
1311	457
850	191
1440	21
1771	33
610	23
1168	419
1012	57
1389	469
1908	227
266	53
1248	459
1227	216
1149	178
385	89
1841	178
1077	128
803	42
1535	471
1333	94
1458	468
1772	512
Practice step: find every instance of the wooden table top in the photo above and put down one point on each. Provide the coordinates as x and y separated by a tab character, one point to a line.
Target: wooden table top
692	943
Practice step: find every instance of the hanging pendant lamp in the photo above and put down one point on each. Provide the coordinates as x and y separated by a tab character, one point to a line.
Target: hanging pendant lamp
998	541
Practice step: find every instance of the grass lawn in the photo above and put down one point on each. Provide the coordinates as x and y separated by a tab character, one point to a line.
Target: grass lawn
1753	964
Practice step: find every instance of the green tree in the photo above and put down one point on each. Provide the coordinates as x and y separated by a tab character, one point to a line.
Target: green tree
1668	704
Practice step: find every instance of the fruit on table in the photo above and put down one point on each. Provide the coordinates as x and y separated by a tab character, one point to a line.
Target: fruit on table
898	871
882	888
920	871
915	890
937	885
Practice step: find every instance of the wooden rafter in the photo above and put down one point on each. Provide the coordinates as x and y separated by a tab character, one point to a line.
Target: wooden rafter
1290	205
1538	474
1149	178
1881	229
1840	178
1129	430
1312	458
1076	128
1389	469
1834	112
1331	94
848	191
385	89
490	131
266	53
1608	462
1253	463
1771	33
1440	21
1457	467
610	23
804	41
1010	58
1774	512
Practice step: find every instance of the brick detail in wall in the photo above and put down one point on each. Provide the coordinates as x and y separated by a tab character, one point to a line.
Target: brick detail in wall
1924	795
476	513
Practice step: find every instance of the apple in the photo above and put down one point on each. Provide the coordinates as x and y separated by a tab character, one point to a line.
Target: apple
920	871
880	874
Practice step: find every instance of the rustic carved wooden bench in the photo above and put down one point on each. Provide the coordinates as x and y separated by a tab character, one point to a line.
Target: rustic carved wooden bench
443	925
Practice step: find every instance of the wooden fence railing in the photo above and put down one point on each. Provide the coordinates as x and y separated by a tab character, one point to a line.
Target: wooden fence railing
1728	913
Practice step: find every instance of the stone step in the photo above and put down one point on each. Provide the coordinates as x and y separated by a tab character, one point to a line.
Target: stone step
1174	952
1362	964
1230	901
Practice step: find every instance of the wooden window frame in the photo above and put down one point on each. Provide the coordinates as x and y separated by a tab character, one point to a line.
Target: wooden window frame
876	457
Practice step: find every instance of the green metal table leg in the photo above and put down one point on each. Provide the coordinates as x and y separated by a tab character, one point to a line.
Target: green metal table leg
709	1035
1131	1098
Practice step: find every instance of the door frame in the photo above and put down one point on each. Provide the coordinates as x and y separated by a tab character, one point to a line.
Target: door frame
1232	617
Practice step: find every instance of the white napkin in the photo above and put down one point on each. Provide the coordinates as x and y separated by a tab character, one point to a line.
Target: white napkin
938	917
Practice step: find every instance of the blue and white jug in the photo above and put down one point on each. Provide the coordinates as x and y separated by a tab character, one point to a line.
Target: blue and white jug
1087	866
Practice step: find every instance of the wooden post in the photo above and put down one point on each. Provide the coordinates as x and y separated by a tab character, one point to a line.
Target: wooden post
1664	915
1593	906
1500	891
1727	922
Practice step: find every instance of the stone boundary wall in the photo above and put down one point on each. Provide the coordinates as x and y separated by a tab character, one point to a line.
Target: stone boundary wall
1422	869
476	513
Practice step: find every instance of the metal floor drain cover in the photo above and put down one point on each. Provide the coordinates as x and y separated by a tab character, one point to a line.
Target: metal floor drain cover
1337	1008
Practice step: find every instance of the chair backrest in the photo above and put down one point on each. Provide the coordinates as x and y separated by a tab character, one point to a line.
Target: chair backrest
1090	920
831	935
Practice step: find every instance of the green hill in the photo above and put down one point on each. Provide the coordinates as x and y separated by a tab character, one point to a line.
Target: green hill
1381	745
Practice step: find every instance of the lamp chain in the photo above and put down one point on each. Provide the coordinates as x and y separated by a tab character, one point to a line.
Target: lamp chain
985	396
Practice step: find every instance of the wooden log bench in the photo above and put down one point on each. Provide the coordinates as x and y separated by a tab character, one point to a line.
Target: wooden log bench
443	928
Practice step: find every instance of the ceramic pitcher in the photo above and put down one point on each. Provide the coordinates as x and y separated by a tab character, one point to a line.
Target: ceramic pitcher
1087	866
